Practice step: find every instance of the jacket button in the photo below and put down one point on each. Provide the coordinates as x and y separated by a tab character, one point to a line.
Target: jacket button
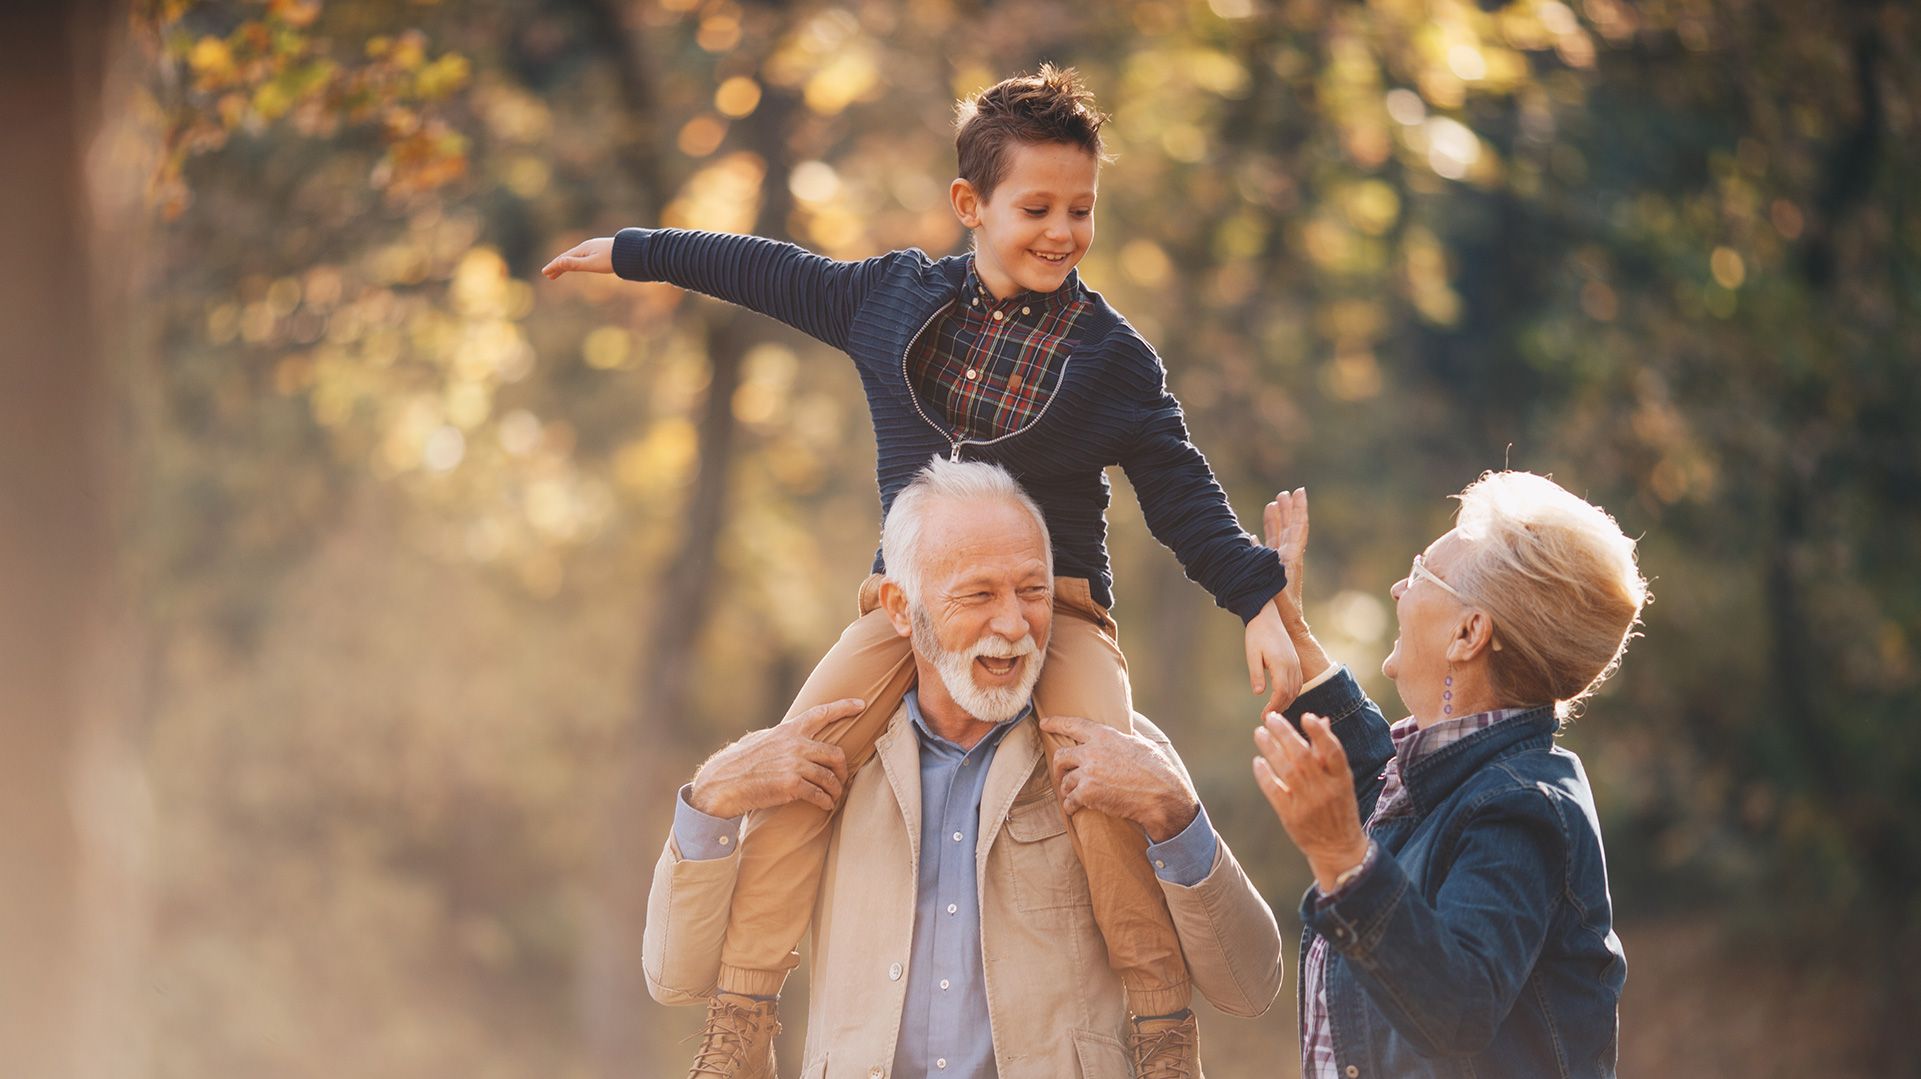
893	973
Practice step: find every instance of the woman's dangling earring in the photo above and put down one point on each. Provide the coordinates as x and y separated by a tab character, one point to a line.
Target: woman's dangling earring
1447	695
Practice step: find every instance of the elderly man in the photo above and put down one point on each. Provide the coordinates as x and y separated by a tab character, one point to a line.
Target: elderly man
954	933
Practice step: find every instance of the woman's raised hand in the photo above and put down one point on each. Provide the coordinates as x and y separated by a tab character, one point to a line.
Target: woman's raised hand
593	256
1305	776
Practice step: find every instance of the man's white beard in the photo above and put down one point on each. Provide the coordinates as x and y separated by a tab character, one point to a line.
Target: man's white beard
956	671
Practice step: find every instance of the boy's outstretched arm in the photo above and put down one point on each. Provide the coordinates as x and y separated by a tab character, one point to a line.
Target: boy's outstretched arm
1186	509
814	294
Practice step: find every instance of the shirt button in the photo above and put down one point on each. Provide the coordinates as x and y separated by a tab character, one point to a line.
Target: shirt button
1159	864
876	1073
943	983
1025	311
952	908
998	316
893	973
958	837
724	841
1352	1071
972	374
976	301
941	1063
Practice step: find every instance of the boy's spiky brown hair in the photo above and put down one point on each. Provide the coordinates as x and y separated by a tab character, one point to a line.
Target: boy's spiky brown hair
1053	105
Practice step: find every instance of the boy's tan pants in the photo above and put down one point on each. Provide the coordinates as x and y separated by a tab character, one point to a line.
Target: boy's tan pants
784	851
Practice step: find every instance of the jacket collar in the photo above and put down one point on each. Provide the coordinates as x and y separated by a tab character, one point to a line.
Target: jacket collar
1434	776
1013	763
899	753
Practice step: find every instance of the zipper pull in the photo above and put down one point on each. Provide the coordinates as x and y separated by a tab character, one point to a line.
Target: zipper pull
955	456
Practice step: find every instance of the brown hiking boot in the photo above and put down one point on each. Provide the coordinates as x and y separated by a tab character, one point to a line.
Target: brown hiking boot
1166	1048
738	1040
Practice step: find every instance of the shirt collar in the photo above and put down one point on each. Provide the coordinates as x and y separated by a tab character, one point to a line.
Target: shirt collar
929	739
1413	742
1023	302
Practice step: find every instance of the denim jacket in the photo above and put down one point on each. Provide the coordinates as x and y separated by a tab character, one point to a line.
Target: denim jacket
1479	941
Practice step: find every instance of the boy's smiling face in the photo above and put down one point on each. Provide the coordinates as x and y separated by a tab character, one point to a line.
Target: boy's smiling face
1038	223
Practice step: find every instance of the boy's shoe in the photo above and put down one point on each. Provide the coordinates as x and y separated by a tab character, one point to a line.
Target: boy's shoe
1166	1048
738	1040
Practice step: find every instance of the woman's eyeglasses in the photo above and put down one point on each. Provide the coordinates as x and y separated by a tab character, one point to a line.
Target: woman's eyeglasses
1419	569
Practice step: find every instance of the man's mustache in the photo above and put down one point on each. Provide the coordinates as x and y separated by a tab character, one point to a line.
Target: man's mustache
992	647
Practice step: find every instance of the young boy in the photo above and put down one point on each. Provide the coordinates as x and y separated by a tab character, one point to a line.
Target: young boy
1000	355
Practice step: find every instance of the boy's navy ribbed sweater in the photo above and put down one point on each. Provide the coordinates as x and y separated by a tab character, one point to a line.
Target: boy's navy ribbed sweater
1112	405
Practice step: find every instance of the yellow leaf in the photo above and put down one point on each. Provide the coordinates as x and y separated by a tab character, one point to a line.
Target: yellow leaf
210	56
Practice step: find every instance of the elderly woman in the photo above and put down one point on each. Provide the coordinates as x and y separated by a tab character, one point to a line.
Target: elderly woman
1465	929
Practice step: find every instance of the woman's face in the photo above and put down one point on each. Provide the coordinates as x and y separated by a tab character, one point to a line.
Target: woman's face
1429	618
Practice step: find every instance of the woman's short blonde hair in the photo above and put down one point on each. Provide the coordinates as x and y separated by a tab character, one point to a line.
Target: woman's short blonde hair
1557	576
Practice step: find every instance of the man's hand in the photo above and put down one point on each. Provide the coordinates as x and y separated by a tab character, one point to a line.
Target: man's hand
1272	661
773	767
1121	774
1308	783
593	256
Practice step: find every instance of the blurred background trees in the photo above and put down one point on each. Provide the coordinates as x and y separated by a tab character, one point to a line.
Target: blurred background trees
445	575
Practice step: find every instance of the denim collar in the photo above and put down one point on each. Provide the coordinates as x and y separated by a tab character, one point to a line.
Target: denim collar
1432	777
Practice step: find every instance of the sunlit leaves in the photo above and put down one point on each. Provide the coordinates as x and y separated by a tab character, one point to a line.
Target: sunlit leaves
278	65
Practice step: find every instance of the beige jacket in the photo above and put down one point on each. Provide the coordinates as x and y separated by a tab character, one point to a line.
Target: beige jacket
1056	1009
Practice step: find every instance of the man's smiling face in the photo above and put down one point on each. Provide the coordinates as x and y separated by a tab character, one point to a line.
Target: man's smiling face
986	607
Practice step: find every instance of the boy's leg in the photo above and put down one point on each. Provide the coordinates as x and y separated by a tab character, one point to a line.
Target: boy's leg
1086	675
783	851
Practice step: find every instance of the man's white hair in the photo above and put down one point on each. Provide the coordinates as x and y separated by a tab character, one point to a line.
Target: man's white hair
902	546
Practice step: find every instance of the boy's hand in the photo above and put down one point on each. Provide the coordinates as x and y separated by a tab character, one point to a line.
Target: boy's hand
1272	662
1284	528
593	256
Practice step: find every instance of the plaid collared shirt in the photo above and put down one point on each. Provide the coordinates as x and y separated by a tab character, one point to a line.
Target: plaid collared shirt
990	365
1411	743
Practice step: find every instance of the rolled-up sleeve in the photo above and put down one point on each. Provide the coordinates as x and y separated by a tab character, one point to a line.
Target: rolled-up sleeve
700	836
687	909
1187	858
1227	931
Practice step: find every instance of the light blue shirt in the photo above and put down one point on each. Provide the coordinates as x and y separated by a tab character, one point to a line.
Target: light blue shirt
944	1027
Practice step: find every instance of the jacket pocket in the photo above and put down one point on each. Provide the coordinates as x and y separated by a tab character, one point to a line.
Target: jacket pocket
1040	859
1101	1057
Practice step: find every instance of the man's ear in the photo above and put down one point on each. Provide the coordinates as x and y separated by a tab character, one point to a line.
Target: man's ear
893	600
967	203
1473	636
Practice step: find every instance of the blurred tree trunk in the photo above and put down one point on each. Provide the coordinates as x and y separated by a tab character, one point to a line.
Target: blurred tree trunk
679	607
66	960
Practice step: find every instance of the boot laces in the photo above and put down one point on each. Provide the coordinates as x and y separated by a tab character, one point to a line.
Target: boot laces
1163	1054
725	1040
